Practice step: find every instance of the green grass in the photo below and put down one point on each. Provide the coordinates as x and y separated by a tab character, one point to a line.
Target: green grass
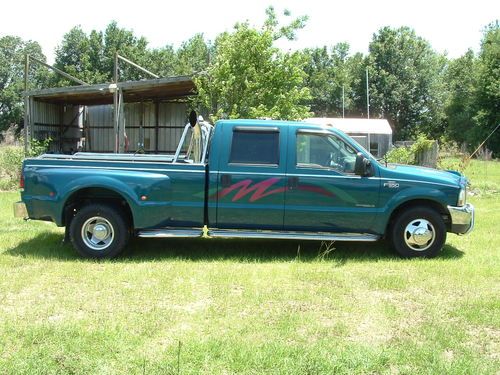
221	306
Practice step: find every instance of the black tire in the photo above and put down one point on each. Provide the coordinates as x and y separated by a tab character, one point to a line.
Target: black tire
410	231
108	240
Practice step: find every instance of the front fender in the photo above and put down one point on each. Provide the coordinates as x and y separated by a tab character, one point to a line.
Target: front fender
438	196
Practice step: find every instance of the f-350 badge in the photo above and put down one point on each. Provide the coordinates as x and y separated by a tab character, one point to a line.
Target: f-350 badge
391	184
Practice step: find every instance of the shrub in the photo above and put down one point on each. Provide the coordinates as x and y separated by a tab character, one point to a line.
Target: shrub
11	159
409	155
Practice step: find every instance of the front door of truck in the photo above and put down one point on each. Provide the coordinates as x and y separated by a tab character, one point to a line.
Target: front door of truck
251	181
323	192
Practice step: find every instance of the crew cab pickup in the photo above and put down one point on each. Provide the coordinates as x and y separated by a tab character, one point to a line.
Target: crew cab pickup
246	179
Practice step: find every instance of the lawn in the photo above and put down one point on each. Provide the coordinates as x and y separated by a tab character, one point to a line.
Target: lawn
224	306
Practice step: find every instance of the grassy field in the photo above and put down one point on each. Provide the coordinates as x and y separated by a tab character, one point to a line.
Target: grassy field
220	306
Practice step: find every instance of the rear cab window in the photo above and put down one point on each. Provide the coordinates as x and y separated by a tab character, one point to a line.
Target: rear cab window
255	146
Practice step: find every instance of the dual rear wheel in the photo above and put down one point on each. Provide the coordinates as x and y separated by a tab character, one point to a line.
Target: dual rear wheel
99	231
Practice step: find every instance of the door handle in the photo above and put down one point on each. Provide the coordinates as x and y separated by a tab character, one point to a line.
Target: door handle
293	183
225	180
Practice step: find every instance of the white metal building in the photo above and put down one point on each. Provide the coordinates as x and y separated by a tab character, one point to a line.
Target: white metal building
373	134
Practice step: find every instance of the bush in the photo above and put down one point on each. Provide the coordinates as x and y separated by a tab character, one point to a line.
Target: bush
11	159
409	155
400	155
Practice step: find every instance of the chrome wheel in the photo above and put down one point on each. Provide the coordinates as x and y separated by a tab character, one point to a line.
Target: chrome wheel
97	233
419	234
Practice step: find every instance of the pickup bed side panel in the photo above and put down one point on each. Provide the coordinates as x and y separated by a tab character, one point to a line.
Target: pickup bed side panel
158	194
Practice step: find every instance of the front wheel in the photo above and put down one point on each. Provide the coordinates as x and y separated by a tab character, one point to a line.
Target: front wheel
99	231
418	232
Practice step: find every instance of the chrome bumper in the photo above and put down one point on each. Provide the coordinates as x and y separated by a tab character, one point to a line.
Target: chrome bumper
20	210
462	218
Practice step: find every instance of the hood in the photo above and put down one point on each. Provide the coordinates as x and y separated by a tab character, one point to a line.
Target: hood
416	173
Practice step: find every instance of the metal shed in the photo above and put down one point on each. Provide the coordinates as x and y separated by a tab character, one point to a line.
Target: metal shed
373	134
149	115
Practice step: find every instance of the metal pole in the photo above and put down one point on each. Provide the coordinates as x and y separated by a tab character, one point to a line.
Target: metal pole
137	66
26	104
367	95
121	123
115	103
64	74
343	102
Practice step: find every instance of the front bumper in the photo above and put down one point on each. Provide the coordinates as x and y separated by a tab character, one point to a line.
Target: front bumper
462	218
20	210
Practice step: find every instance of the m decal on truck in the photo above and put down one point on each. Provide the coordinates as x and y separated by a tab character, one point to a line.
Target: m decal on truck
259	189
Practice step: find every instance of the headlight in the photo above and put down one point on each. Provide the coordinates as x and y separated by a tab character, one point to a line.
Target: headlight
462	196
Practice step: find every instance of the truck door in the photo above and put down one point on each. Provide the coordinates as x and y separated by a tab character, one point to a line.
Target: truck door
323	192
251	180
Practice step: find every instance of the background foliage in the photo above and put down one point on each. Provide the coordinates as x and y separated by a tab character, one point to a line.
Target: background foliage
243	74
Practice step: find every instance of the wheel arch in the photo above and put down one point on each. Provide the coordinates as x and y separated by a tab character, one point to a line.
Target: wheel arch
95	194
419	202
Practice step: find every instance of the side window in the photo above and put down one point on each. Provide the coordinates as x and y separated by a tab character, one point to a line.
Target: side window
255	147
374	148
324	151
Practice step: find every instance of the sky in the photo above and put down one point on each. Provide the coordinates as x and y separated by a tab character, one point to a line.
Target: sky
451	26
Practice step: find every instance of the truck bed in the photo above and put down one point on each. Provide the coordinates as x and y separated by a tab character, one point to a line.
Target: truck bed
158	192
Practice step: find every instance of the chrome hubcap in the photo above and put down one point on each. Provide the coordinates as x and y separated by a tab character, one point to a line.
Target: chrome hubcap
419	234
97	233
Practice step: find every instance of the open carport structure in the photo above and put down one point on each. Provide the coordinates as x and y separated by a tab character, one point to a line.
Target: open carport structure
147	115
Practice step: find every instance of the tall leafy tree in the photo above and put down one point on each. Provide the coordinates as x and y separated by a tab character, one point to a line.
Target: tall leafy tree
250	77
488	89
12	57
91	57
328	74
194	55
460	109
405	74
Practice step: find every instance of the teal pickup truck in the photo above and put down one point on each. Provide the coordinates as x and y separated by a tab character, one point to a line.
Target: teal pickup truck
246	179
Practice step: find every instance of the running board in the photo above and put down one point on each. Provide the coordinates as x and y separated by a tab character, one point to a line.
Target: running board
315	236
170	233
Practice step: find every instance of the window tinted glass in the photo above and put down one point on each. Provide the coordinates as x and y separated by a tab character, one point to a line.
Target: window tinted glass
255	147
374	148
323	151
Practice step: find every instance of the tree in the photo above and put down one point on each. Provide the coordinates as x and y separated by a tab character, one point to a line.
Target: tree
12	57
460	109
488	89
249	77
81	56
91	57
194	55
405	77
328	74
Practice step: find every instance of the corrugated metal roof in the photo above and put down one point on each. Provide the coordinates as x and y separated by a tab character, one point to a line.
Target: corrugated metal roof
133	91
354	125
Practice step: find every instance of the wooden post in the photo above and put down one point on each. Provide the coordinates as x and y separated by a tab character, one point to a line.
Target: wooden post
121	123
137	66
26	104
115	104
157	124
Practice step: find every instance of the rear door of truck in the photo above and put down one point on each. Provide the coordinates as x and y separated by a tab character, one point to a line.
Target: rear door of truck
251	179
